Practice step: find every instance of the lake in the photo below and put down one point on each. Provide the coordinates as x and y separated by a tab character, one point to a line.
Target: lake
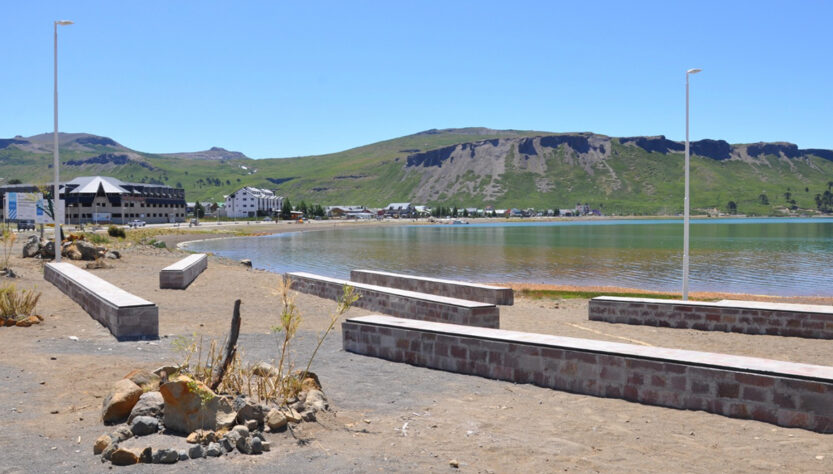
786	257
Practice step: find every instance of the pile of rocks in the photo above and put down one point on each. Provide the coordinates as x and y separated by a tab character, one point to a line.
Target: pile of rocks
215	424
73	250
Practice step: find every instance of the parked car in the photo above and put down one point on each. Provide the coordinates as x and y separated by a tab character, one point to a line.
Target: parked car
136	223
267	219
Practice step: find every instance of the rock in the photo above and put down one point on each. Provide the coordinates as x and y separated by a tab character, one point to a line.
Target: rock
454	463
144	425
31	247
251	424
101	444
262	369
27	321
88	251
244	445
227	445
315	400
201	437
121	433
113	254
241	430
197	451
146	457
232	437
165	456
257	445
147	380
292	416
276	420
123	457
213	450
310	380
183	454
308	415
246	262
149	404
47	251
71	252
108	451
97	265
120	401
249	410
266	445
170	370
185	411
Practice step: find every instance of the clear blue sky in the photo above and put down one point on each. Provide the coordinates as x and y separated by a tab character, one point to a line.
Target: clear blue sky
279	79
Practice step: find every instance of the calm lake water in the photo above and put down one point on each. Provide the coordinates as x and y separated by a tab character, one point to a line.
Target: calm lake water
787	257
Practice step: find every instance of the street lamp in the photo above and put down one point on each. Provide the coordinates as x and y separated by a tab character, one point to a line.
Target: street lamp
56	197
686	217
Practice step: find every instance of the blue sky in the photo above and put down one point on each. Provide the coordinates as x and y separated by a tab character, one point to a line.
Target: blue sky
280	79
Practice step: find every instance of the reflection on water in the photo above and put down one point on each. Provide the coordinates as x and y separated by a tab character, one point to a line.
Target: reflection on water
765	256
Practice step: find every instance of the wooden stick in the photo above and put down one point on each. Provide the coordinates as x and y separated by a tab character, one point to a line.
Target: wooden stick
231	347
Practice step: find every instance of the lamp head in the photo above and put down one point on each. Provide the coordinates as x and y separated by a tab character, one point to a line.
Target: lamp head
64	22
693	71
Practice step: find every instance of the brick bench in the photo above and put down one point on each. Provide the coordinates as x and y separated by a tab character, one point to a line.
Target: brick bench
126	316
401	303
783	393
749	317
180	274
435	286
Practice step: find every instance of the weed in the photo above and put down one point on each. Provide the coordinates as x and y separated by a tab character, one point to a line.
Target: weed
8	240
115	231
96	238
17	304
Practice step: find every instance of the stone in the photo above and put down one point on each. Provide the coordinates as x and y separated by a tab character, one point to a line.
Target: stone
454	463
113	254
310	381
149	404
183	454
241	430
88	251
108	451
121	433
144	425
262	369
227	445
71	252
201	437
31	247
27	321
165	456
246	262
316	401
292	416
185	411
146	456
120	401
257	445
101	444
266	445
249	410
169	370
197	451
147	380
251	425
244	445
308	415
123	457
213	450
47	251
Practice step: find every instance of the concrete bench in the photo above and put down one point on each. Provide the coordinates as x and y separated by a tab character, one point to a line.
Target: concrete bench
749	317
783	393
180	274
451	288
126	316
402	303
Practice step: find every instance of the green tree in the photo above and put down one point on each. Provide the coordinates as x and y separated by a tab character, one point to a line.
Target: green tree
764	200
733	207
15	181
286	210
199	210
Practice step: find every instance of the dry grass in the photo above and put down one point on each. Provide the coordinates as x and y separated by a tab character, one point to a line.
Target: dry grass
15	304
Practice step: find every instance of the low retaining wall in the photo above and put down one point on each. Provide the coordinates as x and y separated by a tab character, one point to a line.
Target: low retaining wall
435	286
782	393
749	317
401	303
127	316
180	274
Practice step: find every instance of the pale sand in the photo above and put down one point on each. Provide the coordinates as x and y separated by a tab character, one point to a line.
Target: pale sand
486	425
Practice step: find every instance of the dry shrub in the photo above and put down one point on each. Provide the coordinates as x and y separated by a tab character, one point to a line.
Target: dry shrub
17	304
9	238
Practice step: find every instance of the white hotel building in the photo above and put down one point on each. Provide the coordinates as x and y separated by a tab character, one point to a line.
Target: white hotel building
252	202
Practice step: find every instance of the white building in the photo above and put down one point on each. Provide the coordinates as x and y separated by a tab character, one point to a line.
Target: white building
252	202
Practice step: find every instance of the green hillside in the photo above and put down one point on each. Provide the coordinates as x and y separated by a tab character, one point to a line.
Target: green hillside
471	167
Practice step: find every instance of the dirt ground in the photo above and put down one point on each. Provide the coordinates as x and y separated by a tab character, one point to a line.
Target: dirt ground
385	416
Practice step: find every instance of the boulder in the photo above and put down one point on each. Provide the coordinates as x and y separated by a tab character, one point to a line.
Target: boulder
190	405
257	445
241	430
196	451
31	247
113	254
120	401
89	251
249	410
145	379
244	445
101	444
251	424
121	433
213	450
144	425
149	404
71	252
275	420
183	454
165	456
292	416
316	401
108	451
47	251
124	457
146	456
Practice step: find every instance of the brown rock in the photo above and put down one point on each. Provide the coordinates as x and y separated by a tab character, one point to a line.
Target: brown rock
120	401
28	321
71	252
275	420
186	411
124	457
201	437
145	379
292	415
310	381
101	444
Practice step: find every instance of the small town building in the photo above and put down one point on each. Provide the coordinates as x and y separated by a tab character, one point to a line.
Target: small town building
252	202
399	209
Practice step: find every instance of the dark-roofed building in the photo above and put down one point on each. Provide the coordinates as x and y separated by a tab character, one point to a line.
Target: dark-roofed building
106	199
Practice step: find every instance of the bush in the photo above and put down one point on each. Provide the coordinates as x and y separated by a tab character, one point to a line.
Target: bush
17	304
96	238
115	231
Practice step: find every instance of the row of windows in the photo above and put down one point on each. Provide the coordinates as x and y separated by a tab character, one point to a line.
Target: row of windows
117	215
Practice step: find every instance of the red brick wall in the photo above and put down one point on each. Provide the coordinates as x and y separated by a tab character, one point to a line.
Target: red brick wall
778	399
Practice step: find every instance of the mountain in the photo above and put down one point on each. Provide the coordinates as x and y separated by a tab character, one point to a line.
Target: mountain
472	167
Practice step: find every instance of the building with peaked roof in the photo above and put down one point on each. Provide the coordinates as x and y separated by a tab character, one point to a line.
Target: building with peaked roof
253	202
107	199
399	209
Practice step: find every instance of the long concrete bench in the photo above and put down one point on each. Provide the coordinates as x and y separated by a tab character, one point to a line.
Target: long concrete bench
749	317
402	303
435	286
180	274
783	393
126	315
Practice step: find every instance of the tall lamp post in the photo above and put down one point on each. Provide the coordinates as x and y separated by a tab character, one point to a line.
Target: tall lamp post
686	217
56	197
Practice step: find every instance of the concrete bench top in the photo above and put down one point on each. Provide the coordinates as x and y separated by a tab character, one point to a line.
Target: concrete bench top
686	357
408	294
733	304
438	280
104	290
185	262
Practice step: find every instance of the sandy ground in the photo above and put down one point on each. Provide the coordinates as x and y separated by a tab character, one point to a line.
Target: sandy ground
386	416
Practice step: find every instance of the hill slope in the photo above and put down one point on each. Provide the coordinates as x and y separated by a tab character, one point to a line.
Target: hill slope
469	167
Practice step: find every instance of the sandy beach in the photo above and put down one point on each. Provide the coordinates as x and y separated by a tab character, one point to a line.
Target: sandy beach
385	416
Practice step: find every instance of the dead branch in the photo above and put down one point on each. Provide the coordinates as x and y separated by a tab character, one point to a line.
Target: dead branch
231	347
